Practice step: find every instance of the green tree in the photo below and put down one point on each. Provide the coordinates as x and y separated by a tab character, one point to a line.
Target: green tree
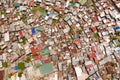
43	11
24	19
42	78
80	31
71	31
114	38
4	64
54	22
117	33
9	75
35	9
96	35
28	59
87	78
21	65
3	12
20	74
94	5
18	13
113	64
118	45
24	40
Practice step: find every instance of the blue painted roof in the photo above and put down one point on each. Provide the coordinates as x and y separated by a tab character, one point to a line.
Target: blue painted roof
16	68
33	31
116	27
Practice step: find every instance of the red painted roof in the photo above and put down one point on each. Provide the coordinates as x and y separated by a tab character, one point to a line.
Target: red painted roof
46	61
35	49
38	47
74	50
94	29
38	57
21	33
96	59
77	41
91	55
95	19
93	48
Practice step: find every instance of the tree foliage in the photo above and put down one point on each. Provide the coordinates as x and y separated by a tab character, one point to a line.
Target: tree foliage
4	64
28	59
117	33
96	35
87	78
21	65
113	64
20	74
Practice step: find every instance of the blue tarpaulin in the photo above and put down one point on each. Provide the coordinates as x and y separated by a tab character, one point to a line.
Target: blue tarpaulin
33	31
16	68
117	28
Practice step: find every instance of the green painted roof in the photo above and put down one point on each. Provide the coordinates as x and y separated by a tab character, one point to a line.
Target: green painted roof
46	68
45	51
74	36
16	4
43	14
39	28
73	4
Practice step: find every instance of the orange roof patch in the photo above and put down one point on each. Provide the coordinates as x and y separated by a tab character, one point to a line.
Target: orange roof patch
77	41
